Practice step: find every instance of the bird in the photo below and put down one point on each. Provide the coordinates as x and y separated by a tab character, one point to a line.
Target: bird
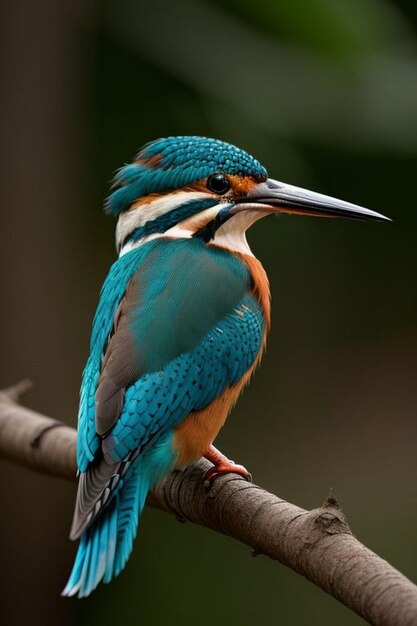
181	325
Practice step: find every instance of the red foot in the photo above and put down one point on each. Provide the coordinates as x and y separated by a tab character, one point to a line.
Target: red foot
222	465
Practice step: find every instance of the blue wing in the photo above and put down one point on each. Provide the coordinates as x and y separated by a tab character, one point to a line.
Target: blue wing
111	295
160	400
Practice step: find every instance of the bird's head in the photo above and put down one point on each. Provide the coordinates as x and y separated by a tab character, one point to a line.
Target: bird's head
206	188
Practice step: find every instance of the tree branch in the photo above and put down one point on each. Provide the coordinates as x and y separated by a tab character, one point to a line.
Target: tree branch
317	544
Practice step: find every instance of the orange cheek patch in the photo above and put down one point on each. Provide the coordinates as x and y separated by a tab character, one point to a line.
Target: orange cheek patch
145	200
241	185
199	186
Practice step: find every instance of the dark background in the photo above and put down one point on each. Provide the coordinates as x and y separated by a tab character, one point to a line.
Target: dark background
324	94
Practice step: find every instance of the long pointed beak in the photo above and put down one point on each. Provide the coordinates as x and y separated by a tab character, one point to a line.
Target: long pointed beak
276	197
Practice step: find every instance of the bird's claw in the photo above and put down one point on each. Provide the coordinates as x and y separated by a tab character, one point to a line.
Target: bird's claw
225	467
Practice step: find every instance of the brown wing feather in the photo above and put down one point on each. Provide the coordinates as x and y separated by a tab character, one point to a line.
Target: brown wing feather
119	368
120	365
94	488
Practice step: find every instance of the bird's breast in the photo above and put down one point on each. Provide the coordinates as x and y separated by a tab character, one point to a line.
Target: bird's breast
195	434
260	286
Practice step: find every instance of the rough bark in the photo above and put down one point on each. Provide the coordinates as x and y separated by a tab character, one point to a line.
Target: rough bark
317	544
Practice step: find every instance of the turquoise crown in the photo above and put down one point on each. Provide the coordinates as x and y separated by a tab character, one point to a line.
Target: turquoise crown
174	162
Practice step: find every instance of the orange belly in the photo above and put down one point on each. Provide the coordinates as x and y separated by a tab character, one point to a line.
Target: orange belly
194	435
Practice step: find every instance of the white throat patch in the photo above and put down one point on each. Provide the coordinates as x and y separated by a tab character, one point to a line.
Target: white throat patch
232	234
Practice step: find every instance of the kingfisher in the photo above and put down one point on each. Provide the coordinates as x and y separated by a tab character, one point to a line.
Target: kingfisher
180	327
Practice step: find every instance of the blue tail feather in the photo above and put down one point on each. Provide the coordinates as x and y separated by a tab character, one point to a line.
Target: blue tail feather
106	545
127	523
109	544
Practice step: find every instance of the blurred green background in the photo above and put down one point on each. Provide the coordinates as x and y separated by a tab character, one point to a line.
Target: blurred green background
324	94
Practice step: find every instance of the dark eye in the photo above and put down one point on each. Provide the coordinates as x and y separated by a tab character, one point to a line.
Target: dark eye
218	183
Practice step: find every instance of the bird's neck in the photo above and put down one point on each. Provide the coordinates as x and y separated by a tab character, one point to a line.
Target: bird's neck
231	235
